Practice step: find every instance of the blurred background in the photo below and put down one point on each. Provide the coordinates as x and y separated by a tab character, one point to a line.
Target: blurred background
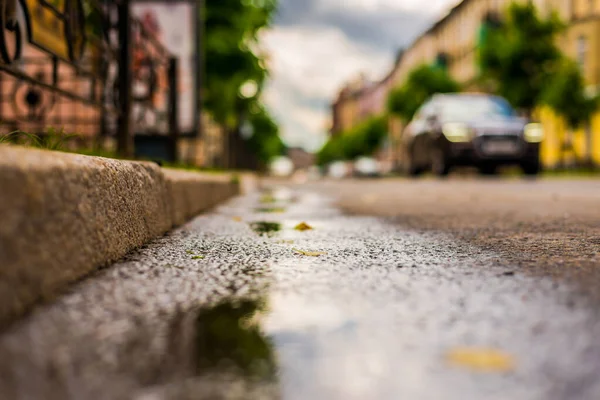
329	283
325	87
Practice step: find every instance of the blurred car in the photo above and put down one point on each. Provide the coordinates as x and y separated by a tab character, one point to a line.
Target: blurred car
281	167
338	170
367	167
477	130
314	173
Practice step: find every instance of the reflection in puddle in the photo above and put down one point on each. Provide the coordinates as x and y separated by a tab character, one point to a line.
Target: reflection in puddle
229	338
270	210
265	228
268	198
278	195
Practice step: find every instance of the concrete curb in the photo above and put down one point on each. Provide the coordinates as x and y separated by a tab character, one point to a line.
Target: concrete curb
63	216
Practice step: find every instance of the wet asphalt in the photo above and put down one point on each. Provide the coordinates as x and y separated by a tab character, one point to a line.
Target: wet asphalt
238	304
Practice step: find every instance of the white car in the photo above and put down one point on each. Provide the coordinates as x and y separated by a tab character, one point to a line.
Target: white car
338	170
282	167
367	167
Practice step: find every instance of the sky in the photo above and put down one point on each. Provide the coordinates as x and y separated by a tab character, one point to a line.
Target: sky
315	46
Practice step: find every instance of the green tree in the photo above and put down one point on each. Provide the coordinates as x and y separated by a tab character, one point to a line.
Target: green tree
236	68
232	54
333	150
363	140
519	57
265	142
566	95
422	83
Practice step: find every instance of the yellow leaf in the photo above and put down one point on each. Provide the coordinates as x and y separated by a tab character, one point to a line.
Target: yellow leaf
237	219
310	253
303	227
481	359
267	199
274	210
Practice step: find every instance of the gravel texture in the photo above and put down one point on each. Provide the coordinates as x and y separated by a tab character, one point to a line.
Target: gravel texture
215	310
547	228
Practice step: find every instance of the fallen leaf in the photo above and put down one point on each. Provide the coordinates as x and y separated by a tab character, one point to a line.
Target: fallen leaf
303	227
237	219
310	253
267	199
189	251
274	210
198	258
285	241
481	359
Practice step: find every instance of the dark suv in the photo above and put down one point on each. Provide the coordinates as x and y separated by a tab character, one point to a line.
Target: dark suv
470	130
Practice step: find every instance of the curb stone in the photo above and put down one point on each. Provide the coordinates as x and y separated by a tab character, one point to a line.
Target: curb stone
63	216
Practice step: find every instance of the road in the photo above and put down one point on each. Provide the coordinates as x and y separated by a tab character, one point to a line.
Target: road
465	289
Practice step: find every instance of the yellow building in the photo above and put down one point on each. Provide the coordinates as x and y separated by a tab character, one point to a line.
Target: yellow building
455	36
346	110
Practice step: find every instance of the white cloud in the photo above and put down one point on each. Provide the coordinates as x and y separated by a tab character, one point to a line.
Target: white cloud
318	46
433	6
308	66
319	60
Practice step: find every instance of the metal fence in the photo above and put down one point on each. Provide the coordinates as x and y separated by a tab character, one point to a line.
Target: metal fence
87	67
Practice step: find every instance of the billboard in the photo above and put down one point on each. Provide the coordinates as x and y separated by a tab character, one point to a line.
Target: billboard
174	24
47	30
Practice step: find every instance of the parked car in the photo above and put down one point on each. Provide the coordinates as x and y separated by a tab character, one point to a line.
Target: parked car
367	167
477	130
281	167
338	170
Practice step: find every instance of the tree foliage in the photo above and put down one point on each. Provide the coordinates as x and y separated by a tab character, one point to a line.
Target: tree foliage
567	96
265	142
422	83
363	140
519	57
234	60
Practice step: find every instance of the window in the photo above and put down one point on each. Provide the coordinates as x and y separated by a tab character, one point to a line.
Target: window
465	107
540	5
582	50
569	10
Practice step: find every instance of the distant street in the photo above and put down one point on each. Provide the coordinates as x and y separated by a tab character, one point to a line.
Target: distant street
544	227
457	289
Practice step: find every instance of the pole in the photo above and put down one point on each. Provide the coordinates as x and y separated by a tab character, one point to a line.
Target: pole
125	144
199	64
173	108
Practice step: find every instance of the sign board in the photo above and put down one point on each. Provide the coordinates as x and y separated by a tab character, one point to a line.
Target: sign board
47	30
174	24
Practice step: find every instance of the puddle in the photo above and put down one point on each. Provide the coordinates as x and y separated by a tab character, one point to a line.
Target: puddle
378	317
229	338
270	210
274	201
268	198
265	228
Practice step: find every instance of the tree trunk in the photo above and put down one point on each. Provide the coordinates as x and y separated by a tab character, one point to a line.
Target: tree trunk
589	146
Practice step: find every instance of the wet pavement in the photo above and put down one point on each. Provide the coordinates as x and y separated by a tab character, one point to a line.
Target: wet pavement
240	305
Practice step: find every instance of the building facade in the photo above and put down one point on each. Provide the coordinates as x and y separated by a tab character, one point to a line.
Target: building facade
454	39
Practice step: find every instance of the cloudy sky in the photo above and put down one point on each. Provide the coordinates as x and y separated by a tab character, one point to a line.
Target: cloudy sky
317	45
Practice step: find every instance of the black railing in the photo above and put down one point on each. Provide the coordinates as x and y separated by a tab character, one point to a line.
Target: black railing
80	64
